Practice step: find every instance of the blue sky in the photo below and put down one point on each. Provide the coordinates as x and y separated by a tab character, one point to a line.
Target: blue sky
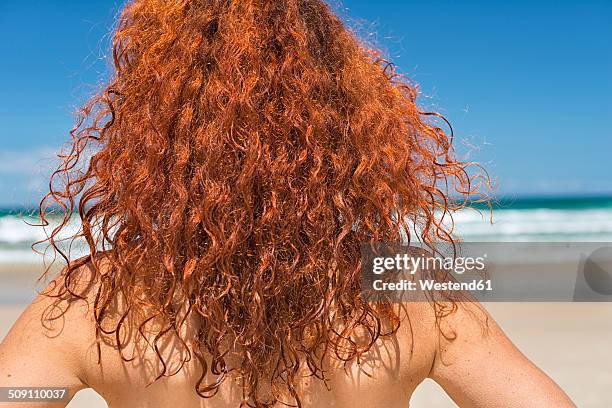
526	84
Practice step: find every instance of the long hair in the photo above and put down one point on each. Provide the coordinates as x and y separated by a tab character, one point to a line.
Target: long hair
231	168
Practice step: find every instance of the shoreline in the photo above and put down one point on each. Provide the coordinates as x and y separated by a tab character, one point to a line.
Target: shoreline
19	281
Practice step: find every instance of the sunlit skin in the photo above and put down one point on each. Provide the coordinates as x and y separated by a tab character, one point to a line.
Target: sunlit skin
478	367
225	179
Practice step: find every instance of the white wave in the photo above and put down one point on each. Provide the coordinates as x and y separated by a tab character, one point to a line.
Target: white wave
593	225
587	224
17	234
19	229
14	230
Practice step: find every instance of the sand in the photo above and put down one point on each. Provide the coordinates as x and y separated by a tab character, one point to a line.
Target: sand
569	341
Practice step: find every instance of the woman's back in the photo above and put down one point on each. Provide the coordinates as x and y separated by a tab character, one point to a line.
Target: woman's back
465	352
386	376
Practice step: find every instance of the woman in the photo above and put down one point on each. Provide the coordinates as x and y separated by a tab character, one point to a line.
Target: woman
224	180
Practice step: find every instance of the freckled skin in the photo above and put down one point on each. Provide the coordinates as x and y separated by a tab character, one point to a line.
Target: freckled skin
479	367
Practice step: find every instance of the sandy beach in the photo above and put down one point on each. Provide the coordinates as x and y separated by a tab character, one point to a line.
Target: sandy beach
569	341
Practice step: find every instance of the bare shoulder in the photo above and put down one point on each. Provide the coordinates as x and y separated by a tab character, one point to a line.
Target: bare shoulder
470	356
54	334
478	365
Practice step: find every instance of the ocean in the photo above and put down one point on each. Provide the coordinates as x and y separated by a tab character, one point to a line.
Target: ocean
537	219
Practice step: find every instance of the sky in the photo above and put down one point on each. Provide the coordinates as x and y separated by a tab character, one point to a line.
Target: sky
526	84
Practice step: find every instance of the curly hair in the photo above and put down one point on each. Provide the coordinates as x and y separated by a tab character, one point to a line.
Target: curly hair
231	167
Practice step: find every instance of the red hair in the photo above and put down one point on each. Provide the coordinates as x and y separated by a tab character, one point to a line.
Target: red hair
240	155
